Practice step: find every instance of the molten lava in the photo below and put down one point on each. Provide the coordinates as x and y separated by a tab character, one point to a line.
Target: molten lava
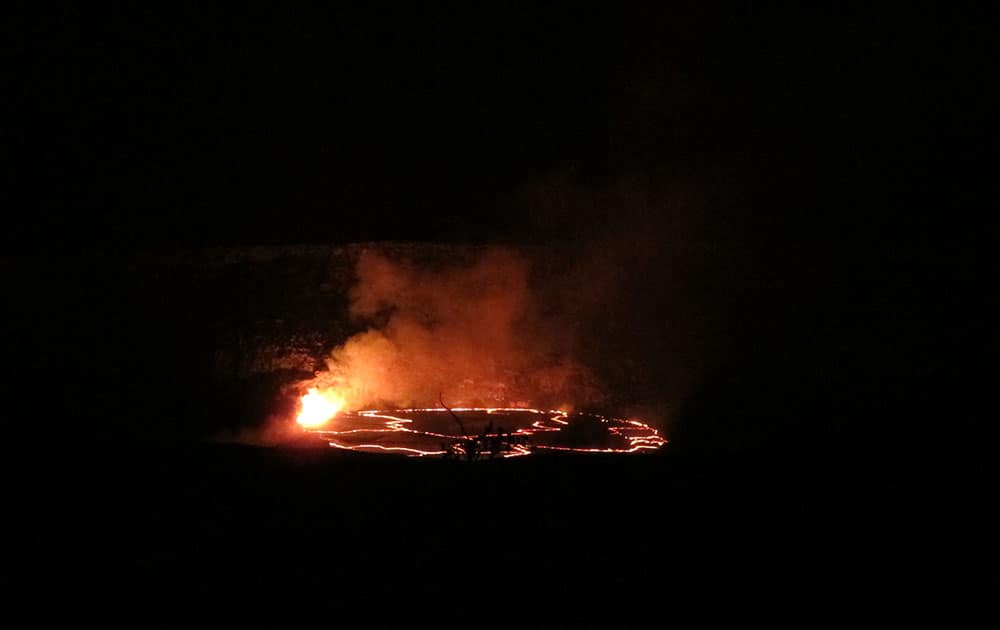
318	408
428	432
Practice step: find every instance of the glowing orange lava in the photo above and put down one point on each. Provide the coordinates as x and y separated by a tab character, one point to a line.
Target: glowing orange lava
540	431
318	408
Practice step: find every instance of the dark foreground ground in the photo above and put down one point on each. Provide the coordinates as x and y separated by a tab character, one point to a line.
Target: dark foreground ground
338	534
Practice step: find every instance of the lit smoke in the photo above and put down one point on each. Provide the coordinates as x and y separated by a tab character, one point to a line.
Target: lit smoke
472	333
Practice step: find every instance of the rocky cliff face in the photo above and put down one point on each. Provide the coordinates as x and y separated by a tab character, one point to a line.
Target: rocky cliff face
215	335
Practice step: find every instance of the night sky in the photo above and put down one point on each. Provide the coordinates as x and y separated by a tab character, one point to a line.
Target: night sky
141	129
212	128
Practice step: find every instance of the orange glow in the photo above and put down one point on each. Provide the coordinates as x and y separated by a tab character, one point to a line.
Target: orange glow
369	427
318	408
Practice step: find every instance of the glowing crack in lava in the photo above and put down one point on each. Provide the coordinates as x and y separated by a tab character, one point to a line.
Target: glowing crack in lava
319	408
487	432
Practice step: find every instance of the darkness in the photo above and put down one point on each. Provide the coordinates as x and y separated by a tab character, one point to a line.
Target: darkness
803	180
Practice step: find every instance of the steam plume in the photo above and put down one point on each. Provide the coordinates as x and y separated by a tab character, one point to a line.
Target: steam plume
474	332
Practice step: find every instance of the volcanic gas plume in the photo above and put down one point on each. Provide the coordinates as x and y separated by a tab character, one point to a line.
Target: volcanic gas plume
472	333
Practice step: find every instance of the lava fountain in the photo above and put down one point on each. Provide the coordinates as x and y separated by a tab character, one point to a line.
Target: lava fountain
317	408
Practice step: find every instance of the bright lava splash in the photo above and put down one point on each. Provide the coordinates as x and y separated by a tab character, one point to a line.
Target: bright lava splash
318	408
478	432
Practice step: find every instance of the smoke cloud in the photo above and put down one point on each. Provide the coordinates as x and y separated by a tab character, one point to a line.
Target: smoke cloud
474	332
